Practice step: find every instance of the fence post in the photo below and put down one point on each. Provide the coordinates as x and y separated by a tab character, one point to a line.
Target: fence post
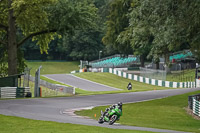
40	91
37	83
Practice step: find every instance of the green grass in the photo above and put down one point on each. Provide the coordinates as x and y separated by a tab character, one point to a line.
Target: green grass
46	92
182	76
84	92
166	113
53	67
10	124
118	82
52	81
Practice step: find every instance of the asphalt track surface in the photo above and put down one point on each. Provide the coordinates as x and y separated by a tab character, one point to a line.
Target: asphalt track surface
61	109
79	82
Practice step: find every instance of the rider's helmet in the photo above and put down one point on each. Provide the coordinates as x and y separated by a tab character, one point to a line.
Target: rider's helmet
112	106
120	104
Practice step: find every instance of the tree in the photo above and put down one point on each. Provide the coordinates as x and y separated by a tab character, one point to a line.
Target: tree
161	27
40	20
116	23
84	45
139	37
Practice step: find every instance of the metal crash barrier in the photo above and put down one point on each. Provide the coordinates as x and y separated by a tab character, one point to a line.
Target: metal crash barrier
194	104
196	107
14	92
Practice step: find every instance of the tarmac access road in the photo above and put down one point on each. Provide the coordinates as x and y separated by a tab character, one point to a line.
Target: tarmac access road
77	82
61	109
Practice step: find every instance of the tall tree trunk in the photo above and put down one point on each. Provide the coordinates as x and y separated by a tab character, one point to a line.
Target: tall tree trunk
157	65
157	62
12	43
142	60
167	63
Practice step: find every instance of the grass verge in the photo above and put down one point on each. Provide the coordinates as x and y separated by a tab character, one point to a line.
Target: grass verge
166	113
10	124
118	82
52	81
53	67
182	76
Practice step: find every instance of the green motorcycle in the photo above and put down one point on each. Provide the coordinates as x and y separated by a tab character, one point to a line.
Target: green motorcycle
110	115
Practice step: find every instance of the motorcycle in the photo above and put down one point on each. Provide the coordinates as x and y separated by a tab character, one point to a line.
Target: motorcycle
110	116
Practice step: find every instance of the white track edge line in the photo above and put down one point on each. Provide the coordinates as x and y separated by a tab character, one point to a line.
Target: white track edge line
94	82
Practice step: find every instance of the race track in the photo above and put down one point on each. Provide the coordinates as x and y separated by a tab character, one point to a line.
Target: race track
79	82
61	109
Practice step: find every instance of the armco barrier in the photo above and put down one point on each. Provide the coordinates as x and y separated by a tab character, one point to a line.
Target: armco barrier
190	100
61	88
8	92
65	89
13	92
152	81
196	107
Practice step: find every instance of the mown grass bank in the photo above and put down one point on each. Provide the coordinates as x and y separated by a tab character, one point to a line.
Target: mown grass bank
118	82
182	76
166	113
53	67
10	124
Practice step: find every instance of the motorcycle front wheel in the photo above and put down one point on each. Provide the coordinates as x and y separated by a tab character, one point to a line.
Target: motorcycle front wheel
113	119
100	121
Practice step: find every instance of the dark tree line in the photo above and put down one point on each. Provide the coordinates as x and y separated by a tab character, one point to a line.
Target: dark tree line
79	29
155	28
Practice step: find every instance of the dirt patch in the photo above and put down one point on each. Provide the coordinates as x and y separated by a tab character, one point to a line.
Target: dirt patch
189	111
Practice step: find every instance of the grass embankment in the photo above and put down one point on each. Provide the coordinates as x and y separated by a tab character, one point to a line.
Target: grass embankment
166	113
118	82
53	67
53	81
10	124
182	76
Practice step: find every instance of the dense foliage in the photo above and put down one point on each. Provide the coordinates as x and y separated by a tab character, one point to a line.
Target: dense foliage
40	21
116	23
157	28
77	29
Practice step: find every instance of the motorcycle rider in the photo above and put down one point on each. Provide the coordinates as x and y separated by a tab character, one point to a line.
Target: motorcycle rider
118	105
129	87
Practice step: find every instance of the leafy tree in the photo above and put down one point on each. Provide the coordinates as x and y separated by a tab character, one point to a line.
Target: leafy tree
83	45
40	20
116	23
139	37
174	24
3	60
160	27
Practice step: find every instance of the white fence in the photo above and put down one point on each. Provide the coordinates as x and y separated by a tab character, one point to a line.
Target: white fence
197	83
156	82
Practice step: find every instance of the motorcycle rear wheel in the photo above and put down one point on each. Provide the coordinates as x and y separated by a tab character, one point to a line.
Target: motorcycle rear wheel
113	119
